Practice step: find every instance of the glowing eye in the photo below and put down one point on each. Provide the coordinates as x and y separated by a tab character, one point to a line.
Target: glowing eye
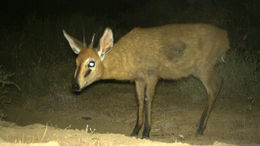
91	64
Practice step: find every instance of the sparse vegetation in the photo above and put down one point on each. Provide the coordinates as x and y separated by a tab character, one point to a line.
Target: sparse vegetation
5	81
240	76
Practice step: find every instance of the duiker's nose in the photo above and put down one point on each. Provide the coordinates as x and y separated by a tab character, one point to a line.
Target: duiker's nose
75	87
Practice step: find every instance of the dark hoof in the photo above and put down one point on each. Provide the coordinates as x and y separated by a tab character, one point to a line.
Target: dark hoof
134	134
199	133
145	137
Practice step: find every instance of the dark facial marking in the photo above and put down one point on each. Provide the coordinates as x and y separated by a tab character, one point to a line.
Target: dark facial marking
87	73
77	75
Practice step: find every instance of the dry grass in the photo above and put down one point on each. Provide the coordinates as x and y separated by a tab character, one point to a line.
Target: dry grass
40	135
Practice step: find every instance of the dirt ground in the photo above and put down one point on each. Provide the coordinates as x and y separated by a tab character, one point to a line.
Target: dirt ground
105	114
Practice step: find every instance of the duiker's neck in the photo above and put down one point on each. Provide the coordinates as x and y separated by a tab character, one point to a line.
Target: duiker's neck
114	67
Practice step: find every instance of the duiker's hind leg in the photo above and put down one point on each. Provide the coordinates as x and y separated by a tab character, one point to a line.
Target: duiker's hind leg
212	83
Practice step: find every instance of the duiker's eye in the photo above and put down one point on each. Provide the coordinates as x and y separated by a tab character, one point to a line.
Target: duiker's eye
91	64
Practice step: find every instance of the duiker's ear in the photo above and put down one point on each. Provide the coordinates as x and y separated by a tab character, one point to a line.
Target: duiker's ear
75	44
105	43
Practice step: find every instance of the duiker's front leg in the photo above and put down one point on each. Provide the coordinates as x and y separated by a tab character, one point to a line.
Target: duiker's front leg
140	87
150	87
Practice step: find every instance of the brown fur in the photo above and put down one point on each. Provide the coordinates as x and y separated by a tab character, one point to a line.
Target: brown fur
170	52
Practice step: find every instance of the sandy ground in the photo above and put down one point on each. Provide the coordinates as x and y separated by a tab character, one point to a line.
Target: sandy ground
105	113
50	136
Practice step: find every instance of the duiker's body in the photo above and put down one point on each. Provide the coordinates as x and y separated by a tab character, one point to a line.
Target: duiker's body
146	54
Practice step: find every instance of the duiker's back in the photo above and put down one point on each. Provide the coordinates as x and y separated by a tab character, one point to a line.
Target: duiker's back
174	50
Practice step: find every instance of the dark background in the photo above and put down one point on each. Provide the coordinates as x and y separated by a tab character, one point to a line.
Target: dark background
31	39
15	12
32	42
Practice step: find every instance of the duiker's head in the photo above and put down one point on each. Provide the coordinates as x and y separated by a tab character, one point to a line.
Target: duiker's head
89	67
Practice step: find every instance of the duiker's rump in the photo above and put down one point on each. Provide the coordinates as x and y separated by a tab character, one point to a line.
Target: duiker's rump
146	54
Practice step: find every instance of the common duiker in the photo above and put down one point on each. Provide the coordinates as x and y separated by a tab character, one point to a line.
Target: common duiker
146	54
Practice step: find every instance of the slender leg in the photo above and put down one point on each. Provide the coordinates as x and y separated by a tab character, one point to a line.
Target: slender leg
212	83
150	87
140	87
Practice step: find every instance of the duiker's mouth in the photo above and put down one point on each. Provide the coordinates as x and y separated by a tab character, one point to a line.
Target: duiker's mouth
75	87
76	90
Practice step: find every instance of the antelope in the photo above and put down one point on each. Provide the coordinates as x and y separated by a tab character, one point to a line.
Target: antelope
144	55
